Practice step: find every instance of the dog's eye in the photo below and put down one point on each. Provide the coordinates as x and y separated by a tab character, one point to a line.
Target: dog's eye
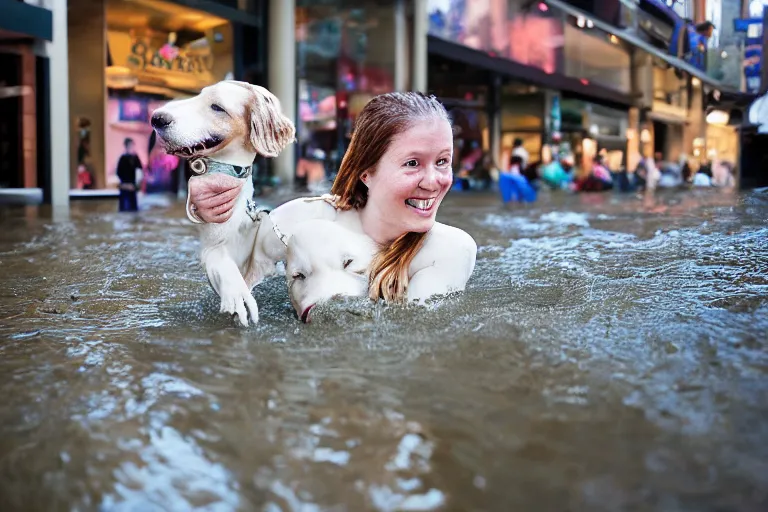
217	108
299	276
347	262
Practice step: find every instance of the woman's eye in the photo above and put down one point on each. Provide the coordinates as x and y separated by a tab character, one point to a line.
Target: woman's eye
412	163
443	162
347	263
299	276
217	108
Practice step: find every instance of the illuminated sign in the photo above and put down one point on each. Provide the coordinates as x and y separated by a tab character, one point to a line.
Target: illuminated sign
170	57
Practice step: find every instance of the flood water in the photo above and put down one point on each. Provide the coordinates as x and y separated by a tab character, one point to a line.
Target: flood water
609	354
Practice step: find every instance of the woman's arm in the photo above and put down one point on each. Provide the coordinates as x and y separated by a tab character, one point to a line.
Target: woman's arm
443	265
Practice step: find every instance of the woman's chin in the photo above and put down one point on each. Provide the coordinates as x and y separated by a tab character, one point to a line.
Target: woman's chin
421	225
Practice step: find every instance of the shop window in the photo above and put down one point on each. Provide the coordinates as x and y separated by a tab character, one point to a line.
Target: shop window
597	57
517	30
345	56
157	52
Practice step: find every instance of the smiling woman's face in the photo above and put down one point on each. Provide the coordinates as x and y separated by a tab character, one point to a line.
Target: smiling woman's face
412	177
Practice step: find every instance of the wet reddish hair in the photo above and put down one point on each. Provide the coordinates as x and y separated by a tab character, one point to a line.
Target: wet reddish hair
383	118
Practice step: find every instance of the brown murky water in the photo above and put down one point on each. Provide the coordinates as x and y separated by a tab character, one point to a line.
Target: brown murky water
610	354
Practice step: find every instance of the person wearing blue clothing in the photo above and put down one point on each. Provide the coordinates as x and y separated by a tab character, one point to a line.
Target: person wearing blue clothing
513	185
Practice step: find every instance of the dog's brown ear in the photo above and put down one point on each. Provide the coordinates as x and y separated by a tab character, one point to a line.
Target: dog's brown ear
271	130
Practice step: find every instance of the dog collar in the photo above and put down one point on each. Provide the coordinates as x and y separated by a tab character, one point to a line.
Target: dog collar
205	165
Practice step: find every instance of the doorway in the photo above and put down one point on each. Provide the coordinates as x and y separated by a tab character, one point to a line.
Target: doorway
11	175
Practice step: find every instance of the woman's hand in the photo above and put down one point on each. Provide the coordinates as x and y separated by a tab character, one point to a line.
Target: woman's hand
214	196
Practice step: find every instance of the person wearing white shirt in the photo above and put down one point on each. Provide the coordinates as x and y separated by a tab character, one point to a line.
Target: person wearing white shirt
519	150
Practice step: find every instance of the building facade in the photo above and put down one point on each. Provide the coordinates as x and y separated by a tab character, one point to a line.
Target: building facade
624	77
24	28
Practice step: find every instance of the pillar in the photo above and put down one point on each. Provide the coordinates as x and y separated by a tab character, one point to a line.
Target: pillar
494	119
87	50
700	11
401	47
59	106
633	139
419	58
282	75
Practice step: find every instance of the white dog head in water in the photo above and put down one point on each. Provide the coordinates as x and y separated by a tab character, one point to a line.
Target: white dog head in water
325	260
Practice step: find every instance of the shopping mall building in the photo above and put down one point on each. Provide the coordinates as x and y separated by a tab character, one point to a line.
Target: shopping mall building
81	76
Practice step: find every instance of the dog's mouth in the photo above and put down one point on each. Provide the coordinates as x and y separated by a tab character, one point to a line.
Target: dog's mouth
305	314
199	148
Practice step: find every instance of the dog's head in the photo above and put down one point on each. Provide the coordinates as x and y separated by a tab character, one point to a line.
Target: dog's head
231	120
325	260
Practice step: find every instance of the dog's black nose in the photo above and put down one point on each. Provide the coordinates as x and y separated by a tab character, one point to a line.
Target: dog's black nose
160	120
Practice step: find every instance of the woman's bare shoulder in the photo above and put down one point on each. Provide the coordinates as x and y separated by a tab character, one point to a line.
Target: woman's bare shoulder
443	236
446	245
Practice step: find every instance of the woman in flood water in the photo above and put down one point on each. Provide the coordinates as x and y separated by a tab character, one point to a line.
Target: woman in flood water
389	187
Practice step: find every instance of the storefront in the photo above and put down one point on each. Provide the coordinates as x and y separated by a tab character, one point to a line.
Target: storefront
540	54
523	113
345	56
667	126
23	91
153	52
589	129
183	52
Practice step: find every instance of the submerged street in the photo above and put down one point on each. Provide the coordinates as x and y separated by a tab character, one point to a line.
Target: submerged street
609	354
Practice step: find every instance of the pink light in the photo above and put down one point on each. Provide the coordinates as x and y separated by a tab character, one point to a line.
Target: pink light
543	7
584	81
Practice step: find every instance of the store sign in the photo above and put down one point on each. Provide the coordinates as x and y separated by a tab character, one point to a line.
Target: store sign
169	57
156	59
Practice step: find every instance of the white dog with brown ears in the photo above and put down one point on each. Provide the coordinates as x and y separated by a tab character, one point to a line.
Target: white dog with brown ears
221	131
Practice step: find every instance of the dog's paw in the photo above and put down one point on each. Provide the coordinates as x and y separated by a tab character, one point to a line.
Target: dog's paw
241	304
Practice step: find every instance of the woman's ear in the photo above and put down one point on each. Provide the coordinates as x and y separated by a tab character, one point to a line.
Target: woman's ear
364	178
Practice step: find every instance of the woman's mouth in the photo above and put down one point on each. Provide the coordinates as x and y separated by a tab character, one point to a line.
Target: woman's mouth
423	205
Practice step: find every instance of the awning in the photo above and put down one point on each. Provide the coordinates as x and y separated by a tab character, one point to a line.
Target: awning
26	20
632	38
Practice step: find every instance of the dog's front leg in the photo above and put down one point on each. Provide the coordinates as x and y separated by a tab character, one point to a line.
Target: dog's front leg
226	280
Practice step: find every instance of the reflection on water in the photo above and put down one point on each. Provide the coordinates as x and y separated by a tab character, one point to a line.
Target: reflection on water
609	354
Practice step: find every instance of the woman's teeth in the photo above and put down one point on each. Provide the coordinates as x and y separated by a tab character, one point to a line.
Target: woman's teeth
421	204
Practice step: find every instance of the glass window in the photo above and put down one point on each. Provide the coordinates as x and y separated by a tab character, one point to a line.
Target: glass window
345	56
157	51
597	57
517	30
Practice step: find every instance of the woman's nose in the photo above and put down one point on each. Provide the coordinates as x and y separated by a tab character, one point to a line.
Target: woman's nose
434	179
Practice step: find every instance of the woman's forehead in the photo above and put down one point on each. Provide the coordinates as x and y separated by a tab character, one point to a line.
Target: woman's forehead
424	135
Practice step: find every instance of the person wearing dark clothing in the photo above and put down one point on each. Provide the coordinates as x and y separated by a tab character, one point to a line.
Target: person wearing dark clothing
127	166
